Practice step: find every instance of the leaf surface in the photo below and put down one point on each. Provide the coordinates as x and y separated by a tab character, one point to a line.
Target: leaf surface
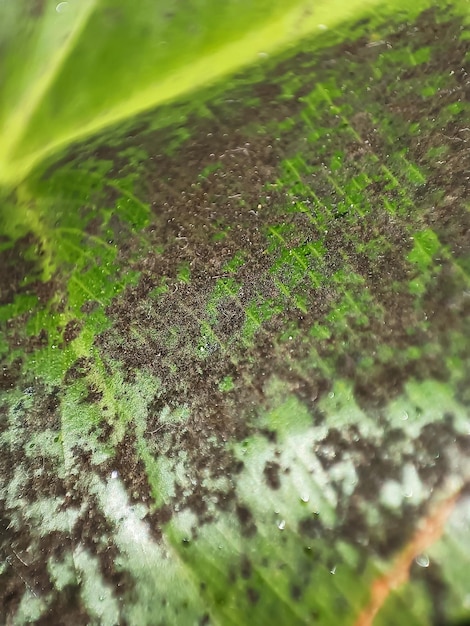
71	68
235	356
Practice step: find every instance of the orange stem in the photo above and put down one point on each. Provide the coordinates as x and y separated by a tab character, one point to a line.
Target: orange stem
430	530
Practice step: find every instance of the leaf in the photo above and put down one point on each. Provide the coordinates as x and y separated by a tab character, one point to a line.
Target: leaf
235	356
71	68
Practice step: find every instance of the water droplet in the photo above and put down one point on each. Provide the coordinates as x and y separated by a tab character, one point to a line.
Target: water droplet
114	474
282	524
408	494
422	560
305	498
61	7
404	416
333	570
263	55
322	27
101	598
331	395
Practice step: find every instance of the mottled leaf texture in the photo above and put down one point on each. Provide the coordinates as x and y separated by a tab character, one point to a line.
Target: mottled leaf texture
235	355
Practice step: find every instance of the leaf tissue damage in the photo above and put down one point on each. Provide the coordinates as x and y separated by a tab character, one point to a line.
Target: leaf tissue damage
235	372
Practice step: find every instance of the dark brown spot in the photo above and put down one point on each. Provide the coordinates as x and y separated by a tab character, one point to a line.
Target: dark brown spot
271	474
253	595
72	330
246	520
245	567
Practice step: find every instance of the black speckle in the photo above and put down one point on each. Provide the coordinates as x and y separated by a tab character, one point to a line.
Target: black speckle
205	620
9	375
245	567
93	396
253	595
238	467
310	526
271	435
246	520
271	475
72	330
77	370
89	306
295	592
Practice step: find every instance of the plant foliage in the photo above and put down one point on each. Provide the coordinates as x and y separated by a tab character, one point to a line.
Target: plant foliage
234	354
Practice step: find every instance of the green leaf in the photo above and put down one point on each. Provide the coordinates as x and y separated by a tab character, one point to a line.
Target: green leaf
235	364
72	68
